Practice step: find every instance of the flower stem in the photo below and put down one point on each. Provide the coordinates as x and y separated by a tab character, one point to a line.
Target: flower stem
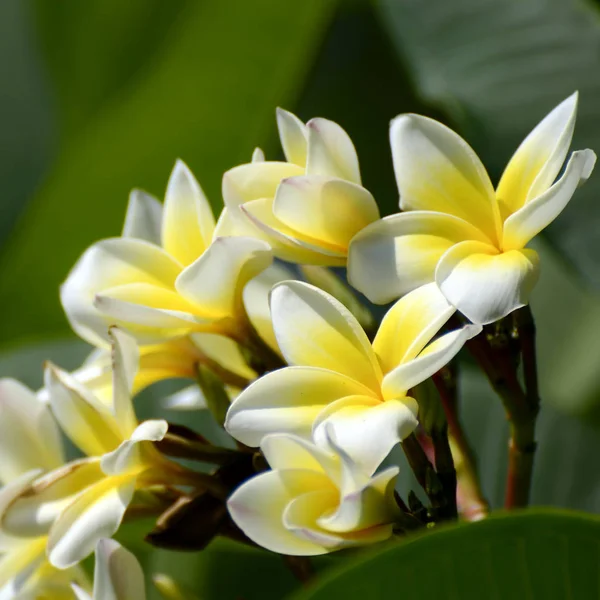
472	504
496	360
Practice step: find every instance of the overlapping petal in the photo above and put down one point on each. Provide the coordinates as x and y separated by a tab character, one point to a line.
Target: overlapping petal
314	329
287	400
437	170
294	137
538	160
484	284
538	212
143	218
397	254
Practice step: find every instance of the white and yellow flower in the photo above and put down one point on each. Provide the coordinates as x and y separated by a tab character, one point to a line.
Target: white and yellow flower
84	501
314	500
458	231
117	574
168	275
29	446
309	207
337	377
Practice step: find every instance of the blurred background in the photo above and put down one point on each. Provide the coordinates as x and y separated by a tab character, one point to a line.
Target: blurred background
102	96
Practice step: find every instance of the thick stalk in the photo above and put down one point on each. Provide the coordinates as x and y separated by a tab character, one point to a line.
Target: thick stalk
500	368
472	503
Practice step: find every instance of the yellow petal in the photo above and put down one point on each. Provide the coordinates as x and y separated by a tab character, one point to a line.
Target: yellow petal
188	222
314	329
539	158
397	254
293	136
325	209
437	170
410	325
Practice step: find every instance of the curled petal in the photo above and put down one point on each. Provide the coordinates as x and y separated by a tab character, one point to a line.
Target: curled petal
88	423
287	401
255	180
94	514
539	158
438	354
410	325
143	218
188	222
293	136
35	510
486	286
109	264
216	280
331	151
284	451
397	254
366	430
314	329
324	208
258	505
437	170
539	212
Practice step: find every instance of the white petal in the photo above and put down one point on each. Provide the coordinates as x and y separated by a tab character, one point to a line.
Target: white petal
143	218
331	151
258	155
117	574
135	454
367	432
125	361
188	222
314	329
324	208
293	136
430	361
397	254
540	211
87	422
437	170
108	264
539	158
189	398
8	493
216	280
285	451
369	506
29	437
410	325
287	401
484	285
34	512
257	508
255	180
93	515
79	592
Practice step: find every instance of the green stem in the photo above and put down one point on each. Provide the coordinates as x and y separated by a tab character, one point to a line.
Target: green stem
444	464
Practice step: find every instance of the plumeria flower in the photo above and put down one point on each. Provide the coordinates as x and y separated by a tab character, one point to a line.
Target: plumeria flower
30	445
314	500
458	231
117	575
337	377
167	275
309	207
86	500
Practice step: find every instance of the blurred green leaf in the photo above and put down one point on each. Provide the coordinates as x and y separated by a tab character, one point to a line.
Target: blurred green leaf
206	93
538	554
497	67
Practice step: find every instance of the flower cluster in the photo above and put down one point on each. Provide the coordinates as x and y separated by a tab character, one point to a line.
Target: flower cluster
285	357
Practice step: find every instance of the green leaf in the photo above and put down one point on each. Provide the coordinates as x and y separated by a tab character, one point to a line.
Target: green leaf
497	67
535	554
207	93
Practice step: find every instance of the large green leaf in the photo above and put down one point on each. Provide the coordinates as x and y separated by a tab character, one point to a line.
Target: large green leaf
543	554
496	67
207	93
